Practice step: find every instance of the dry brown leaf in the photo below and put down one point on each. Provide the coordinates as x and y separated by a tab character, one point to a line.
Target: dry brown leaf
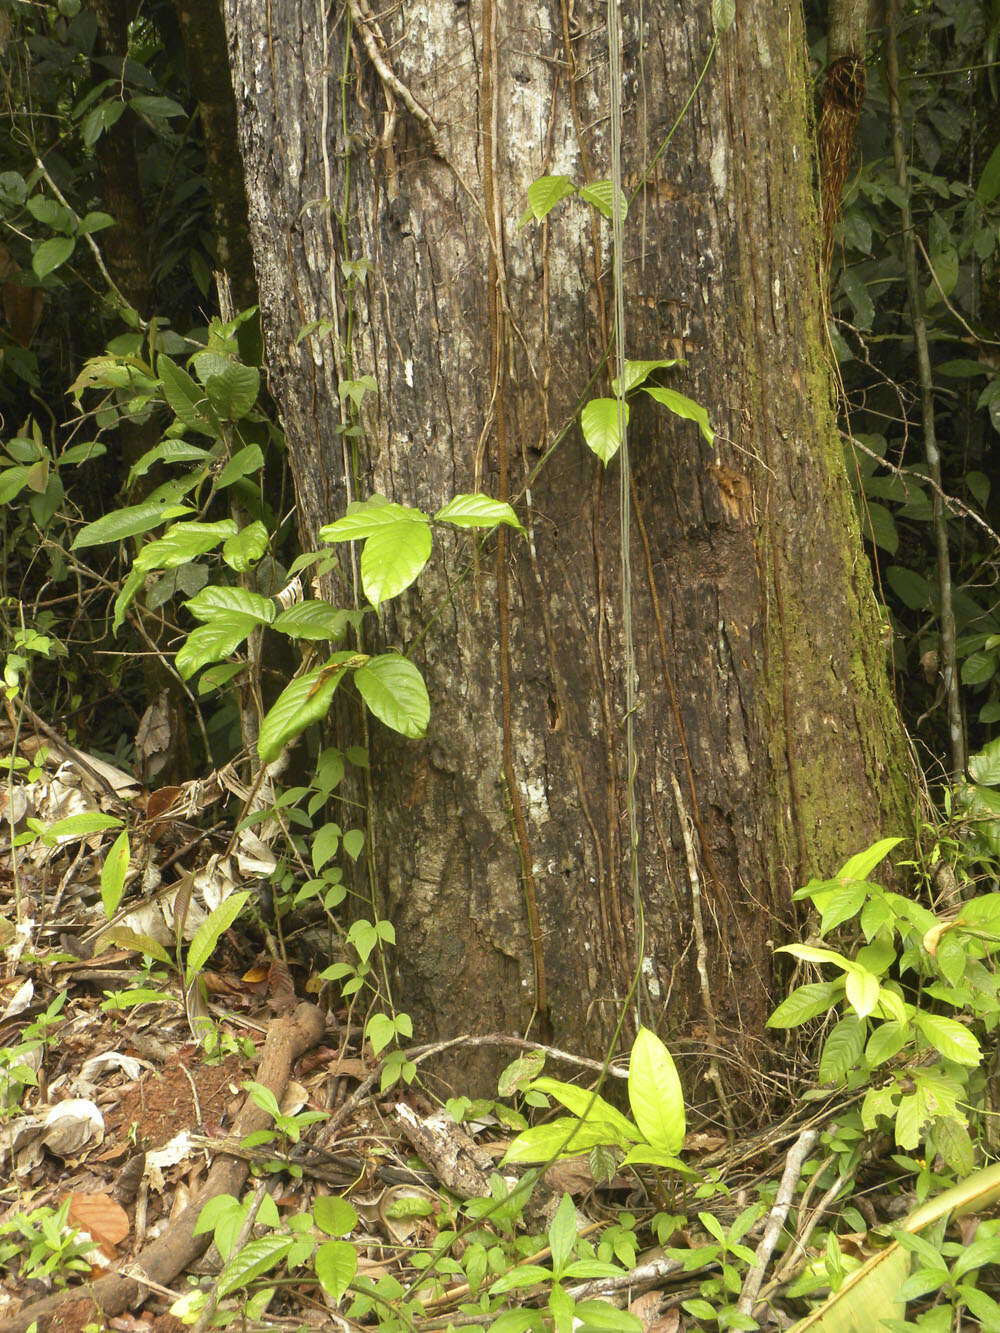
646	1309
104	1221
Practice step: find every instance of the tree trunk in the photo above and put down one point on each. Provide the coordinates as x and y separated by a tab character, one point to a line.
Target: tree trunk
762	679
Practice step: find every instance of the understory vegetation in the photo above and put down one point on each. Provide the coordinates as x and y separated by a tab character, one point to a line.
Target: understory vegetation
183	847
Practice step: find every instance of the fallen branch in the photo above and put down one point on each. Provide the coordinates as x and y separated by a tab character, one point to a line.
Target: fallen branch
178	1247
794	1163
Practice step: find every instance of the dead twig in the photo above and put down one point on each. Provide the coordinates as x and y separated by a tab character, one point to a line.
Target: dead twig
794	1163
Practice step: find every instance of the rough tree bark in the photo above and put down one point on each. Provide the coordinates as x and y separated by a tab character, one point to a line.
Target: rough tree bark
762	676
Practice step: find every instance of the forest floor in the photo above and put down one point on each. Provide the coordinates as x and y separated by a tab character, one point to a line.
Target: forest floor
209	1139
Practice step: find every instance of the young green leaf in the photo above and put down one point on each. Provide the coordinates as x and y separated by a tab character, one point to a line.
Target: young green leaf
862	989
601	195
563	1233
654	1093
591	1107
861	865
806	1002
209	602
637	372
131	521
113	874
951	1038
303	701
210	643
393	557
336	1264
334	1215
600	425
395	692
477	511
50	254
543	195
566	1136
683	406
365	517
206	937
243	549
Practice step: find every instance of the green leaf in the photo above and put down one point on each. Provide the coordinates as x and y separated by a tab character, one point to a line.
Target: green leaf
862	990
951	1038
113	874
861	865
654	1093
806	1002
524	1275
857	293
544	194
50	254
563	1233
242	551
355	390
242	464
354	843
218	676
392	558
599	422
591	1107
95	222
12	482
99	119
185	397
637	372
840	904
313	620
395	692
644	1155
683	406
365	517
207	935
564	1137
182	543
212	642
336	1264
167	451
887	1040
843	1049
324	845
477	511
601	195
334	1215
303	701
131	521
160	108
723	13
256	1257
809	953
910	587
78	826
879	526
50	213
233	393
978	668
380	1030
215	600
604	1315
